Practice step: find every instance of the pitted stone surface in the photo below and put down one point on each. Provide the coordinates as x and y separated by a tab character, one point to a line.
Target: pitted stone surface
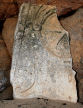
42	63
38	103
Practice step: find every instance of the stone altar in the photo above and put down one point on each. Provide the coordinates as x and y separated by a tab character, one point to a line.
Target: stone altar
42	63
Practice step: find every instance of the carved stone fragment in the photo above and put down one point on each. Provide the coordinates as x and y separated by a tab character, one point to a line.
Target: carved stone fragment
42	63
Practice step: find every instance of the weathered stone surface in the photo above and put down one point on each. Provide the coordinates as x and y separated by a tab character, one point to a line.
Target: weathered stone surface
42	64
10	8
38	103
81	90
5	86
4	56
8	33
74	25
6	94
2	81
4	65
63	6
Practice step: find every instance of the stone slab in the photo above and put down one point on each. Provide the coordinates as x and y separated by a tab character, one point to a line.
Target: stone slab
42	63
38	103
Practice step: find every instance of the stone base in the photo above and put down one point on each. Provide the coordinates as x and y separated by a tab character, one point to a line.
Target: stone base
38	103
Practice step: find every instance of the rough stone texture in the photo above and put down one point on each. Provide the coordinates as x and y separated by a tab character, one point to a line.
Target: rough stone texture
10	8
4	69
2	81
74	25
80	81
81	90
4	66
4	56
8	33
5	86
38	103
63	6
6	94
42	64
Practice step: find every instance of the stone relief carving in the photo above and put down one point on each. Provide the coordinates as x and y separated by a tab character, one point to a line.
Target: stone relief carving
42	63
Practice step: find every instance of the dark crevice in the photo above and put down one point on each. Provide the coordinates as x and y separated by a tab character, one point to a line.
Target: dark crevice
64	104
1	25
68	14
77	87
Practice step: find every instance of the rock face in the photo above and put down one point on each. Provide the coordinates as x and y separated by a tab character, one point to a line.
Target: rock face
38	103
74	25
81	89
4	56
8	33
10	8
2	81
63	6
6	94
4	65
42	64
